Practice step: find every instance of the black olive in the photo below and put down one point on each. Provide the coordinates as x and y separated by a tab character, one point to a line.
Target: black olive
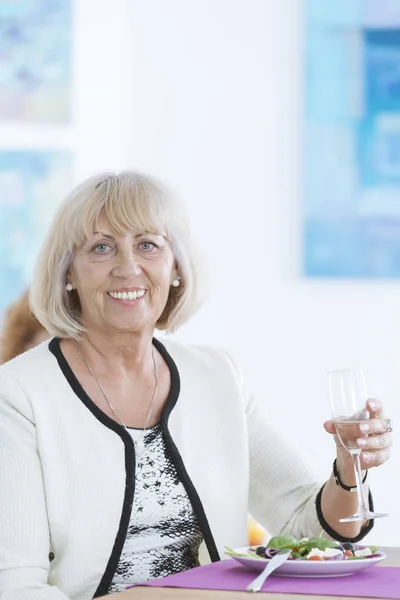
348	546
260	550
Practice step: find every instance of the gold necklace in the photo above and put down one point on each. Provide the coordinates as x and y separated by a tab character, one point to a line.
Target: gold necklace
139	444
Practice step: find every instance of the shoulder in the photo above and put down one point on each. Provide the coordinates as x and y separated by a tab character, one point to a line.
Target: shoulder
27	361
27	381
26	372
201	359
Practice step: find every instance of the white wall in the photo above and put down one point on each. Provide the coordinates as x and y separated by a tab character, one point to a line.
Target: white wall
206	94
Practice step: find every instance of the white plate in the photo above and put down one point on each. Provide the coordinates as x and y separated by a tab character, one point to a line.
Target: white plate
311	568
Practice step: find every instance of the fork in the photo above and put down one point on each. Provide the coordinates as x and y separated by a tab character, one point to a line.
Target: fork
274	563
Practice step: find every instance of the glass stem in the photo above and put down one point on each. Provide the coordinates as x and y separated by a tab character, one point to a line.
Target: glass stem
362	504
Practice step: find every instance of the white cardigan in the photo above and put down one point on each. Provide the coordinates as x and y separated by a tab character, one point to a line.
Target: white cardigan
67	470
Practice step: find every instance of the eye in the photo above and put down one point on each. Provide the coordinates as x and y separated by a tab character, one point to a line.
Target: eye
147	246
101	248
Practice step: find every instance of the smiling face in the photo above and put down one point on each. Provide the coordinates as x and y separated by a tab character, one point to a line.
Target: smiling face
123	281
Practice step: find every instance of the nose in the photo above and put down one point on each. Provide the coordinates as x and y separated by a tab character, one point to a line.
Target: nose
127	266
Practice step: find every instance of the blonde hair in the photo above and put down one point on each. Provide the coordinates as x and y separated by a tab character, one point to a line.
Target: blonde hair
130	202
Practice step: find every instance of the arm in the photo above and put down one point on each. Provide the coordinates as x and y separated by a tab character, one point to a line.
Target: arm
25	537
283	483
286	495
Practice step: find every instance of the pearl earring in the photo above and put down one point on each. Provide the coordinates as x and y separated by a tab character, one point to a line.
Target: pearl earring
176	283
69	287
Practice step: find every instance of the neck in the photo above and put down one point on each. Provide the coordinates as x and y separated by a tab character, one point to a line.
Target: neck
129	352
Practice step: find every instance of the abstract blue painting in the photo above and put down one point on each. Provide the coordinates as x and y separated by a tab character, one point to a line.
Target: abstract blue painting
35	60
32	184
352	139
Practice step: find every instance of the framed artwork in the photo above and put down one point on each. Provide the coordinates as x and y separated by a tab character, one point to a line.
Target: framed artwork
32	184
35	58
351	225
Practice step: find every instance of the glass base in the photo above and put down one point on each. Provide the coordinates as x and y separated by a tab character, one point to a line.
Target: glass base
367	516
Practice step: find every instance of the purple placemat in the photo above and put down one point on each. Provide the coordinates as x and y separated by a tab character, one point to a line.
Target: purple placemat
377	582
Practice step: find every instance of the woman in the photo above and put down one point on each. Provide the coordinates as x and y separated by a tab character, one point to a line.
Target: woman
121	455
21	330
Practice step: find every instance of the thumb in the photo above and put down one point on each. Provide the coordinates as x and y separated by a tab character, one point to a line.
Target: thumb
329	426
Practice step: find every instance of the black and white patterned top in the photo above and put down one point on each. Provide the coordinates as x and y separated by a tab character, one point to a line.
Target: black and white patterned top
163	535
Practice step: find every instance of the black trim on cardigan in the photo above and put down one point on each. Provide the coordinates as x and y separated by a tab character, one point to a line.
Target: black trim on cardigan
102	589
179	464
332	532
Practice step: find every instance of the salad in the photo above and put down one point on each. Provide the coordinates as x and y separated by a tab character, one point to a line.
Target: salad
308	549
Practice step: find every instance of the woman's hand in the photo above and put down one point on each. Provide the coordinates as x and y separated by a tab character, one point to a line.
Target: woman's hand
372	436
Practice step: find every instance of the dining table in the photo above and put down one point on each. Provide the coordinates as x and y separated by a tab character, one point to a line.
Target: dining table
143	592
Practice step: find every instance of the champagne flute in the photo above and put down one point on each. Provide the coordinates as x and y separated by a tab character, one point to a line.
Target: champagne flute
347	398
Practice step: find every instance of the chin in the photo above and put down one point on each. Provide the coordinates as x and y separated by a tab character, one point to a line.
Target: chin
127	327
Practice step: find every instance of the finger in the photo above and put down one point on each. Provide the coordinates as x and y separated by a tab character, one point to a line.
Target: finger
329	426
373	426
375	406
374	459
374	442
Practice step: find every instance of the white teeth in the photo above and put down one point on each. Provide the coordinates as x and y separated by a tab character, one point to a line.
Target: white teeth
127	295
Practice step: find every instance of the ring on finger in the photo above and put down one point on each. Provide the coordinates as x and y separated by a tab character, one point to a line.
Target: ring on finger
389	425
